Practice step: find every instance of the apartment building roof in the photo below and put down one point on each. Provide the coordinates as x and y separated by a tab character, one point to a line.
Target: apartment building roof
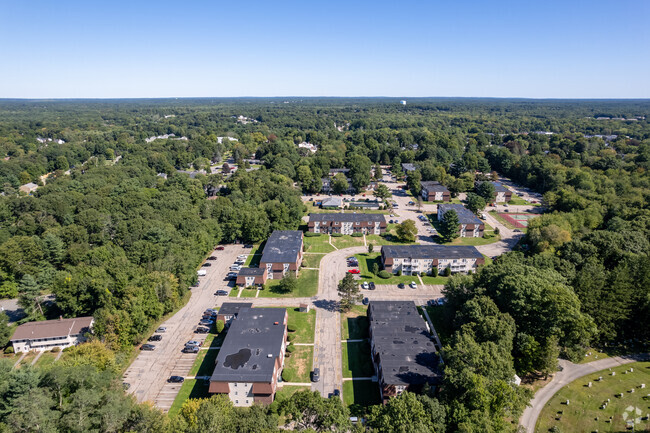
253	342
283	246
407	166
430	251
332	201
232	308
52	328
434	186
346	217
251	272
465	216
401	338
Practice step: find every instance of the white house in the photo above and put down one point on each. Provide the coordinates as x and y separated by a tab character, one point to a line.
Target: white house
48	334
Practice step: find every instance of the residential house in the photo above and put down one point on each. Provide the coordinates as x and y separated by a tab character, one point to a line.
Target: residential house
469	225
407	167
403	355
251	277
48	334
229	311
347	223
410	259
282	253
28	188
331	203
434	191
251	358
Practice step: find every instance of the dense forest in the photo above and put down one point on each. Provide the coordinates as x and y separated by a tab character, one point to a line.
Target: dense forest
120	222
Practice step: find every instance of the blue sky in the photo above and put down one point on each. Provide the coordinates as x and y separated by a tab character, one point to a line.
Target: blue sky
401	48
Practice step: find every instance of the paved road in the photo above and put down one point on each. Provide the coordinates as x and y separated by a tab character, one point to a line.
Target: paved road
327	342
148	374
569	373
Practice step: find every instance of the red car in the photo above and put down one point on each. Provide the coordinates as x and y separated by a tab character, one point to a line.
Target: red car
354	271
221	248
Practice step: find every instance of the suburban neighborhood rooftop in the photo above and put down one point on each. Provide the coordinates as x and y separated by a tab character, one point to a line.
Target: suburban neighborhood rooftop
434	186
231	308
52	328
346	217
465	216
283	246
430	251
244	355
251	272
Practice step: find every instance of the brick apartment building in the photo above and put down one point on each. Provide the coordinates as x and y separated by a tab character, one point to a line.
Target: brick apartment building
347	223
229	311
434	191
282	253
251	358
469	225
252	277
403	355
423	258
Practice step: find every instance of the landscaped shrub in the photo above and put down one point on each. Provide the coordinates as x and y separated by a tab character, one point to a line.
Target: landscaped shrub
399	273
312	234
291	348
496	230
434	272
447	271
290	338
56	349
291	328
336	235
9	350
384	274
220	326
357	235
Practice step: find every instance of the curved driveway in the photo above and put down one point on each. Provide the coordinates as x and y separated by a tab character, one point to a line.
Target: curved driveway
568	374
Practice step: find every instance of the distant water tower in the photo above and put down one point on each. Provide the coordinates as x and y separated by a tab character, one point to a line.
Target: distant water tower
403	102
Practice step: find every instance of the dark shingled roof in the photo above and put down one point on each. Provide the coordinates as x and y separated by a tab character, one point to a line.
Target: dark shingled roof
232	308
434	186
402	340
283	246
346	217
243	356
498	187
251	272
465	216
430	251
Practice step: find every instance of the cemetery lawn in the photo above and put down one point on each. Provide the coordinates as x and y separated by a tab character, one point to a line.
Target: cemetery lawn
583	412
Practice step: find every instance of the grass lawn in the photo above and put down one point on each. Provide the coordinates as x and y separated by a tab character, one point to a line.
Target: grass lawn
248	293
191	388
318	244
307	286
233	293
297	366
584	413
347	241
355	323
488	238
46	359
305	324
435	280
204	363
365	266
311	208
287	391
442	318
517	201
356	360
593	355
28	359
360	393
255	254
312	260
502	220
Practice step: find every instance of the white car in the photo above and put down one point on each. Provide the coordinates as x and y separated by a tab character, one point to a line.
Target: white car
413	285
242	256
365	285
235	268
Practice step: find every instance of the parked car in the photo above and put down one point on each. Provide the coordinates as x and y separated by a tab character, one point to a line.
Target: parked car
220	248
191	349
337	392
365	301
315	375
390	221
231	276
221	293
212	258
176	379
235	268
147	347
365	285
206	265
211	311
441	301
411	203
161	329
372	285
354	271
201	330
194	343
155	337
413	285
248	246
400	285
206	322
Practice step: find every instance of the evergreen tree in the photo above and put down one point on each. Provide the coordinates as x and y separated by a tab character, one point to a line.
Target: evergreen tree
449	226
